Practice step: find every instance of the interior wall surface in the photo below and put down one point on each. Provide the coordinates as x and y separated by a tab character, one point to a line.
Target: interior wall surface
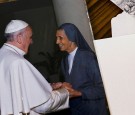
116	61
43	23
4	19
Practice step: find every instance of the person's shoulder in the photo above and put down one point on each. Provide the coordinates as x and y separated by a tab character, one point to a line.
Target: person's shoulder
82	50
15	57
86	52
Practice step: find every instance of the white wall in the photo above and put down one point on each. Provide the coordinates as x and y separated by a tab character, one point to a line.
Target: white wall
116	58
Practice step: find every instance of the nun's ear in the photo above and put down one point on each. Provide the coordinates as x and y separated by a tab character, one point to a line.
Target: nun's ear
73	43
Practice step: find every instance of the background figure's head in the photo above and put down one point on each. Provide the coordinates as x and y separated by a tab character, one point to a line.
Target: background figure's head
71	34
19	34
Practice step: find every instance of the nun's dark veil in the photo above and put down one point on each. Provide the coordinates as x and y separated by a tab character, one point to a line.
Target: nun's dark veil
75	35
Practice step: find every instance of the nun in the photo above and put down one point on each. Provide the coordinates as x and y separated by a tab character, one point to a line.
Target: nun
80	69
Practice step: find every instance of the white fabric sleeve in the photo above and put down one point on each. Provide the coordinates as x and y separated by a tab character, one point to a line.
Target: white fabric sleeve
59	100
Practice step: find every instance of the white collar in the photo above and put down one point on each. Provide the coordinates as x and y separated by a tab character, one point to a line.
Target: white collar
73	52
15	49
71	58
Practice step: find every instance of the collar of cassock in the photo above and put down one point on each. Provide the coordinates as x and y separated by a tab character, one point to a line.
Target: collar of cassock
15	49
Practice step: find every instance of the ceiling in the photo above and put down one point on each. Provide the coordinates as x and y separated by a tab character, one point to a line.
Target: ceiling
9	7
100	11
4	1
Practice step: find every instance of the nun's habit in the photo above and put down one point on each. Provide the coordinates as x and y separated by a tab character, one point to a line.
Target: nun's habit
84	76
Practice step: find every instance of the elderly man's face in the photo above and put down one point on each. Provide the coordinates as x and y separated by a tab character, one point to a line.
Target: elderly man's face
63	41
27	39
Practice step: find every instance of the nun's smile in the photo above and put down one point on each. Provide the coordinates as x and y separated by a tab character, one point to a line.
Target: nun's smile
62	40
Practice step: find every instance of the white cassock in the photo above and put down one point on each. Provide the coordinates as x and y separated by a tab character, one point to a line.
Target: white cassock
23	89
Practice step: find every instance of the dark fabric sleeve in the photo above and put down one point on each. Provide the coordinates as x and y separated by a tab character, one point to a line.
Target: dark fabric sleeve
94	88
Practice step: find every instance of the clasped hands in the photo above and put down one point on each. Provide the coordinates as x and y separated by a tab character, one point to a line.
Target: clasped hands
68	86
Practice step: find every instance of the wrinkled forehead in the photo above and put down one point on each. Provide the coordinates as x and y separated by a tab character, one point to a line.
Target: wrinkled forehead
28	31
60	32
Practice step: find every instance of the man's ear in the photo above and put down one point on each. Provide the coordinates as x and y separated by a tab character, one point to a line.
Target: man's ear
19	38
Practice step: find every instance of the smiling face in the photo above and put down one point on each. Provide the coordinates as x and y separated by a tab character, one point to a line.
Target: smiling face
64	43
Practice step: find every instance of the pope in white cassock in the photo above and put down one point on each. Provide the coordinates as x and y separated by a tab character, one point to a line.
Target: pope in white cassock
23	90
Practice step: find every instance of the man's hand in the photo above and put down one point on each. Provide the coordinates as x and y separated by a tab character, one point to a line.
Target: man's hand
72	92
66	85
56	85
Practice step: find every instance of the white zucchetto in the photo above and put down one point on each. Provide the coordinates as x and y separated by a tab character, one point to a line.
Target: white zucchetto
15	25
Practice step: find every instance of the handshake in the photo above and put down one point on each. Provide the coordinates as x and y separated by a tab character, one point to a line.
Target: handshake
68	86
